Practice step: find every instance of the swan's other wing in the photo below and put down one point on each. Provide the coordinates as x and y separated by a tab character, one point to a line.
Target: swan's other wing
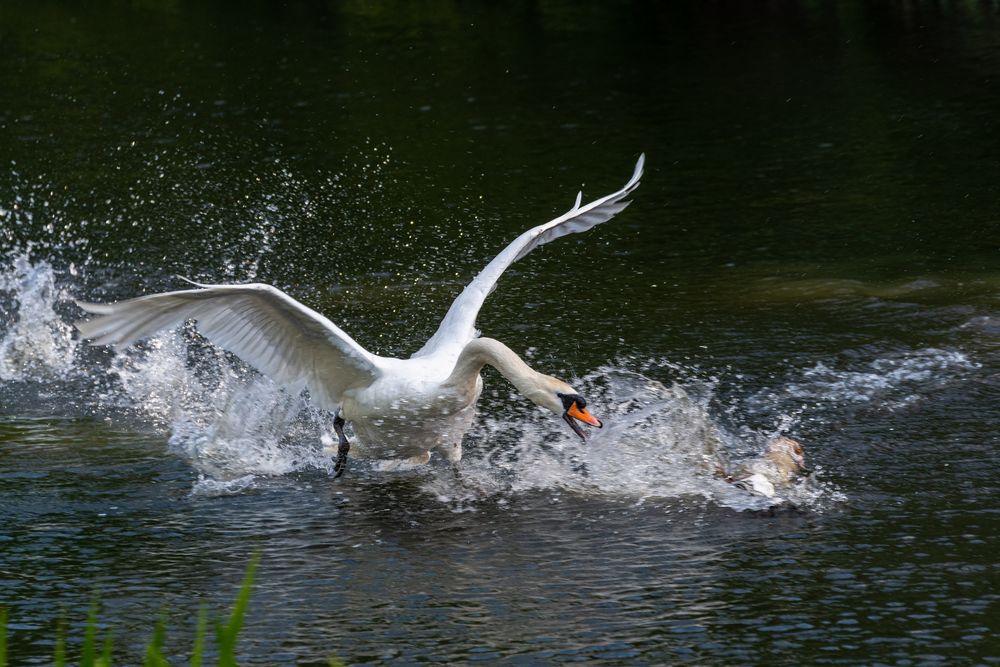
458	326
293	344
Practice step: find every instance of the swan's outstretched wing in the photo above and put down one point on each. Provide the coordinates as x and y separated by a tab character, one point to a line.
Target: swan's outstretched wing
294	345
458	326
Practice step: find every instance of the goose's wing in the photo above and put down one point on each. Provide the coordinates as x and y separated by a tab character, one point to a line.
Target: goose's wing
757	484
293	344
458	326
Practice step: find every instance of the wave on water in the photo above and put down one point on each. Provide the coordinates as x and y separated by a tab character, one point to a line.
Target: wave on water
891	381
662	440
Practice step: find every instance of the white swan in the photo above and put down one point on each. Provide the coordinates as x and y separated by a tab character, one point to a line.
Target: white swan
400	408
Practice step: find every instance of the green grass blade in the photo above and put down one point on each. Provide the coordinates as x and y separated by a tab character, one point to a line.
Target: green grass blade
3	637
106	651
89	652
59	659
222	640
228	633
199	636
154	650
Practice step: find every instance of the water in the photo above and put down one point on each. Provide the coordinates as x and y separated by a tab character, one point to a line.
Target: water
813	251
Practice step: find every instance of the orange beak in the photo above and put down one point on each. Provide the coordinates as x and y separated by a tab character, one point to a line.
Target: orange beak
584	416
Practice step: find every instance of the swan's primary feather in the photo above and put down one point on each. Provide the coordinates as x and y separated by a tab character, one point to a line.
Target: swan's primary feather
459	325
282	338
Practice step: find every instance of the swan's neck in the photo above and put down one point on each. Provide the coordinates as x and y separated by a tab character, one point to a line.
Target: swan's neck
487	351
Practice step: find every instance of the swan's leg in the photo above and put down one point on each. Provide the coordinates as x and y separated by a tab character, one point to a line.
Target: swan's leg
343	447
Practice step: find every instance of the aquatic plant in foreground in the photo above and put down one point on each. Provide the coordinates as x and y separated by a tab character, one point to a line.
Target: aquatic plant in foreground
226	635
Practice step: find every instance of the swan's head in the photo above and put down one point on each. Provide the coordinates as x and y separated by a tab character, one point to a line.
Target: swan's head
574	410
787	455
564	401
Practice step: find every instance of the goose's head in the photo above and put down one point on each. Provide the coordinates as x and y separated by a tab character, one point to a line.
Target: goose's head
564	401
787	455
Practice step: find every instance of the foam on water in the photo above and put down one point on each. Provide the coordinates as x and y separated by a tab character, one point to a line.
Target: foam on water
210	487
898	374
891	381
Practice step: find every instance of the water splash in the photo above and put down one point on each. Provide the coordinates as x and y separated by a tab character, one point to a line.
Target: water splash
237	428
36	343
224	418
660	441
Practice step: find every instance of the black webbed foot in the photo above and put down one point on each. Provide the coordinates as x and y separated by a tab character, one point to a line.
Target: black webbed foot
343	448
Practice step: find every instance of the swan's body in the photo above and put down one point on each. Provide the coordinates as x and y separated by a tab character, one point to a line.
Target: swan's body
401	408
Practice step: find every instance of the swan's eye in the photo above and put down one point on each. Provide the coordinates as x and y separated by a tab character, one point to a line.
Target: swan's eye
569	399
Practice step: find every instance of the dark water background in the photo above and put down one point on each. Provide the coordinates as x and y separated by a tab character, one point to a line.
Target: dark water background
814	250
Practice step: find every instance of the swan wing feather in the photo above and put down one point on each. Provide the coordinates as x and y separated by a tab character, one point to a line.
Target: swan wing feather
458	326
282	338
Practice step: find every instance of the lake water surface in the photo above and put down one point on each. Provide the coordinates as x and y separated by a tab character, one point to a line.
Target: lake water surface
814	251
